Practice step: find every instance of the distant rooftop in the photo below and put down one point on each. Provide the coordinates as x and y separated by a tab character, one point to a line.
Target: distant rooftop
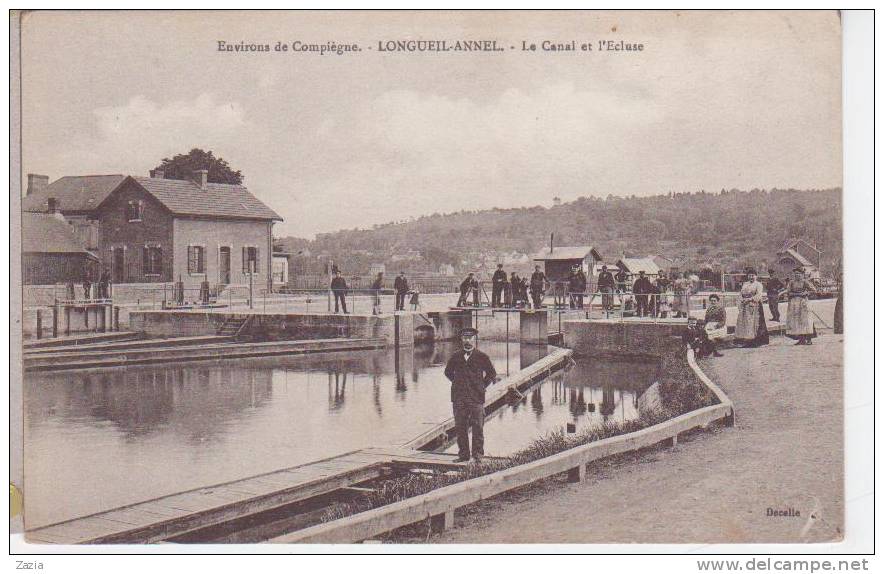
73	192
48	233
567	253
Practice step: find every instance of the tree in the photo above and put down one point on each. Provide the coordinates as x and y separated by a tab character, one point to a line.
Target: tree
182	166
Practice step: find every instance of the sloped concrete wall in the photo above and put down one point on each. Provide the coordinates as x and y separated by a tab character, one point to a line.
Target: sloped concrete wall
598	338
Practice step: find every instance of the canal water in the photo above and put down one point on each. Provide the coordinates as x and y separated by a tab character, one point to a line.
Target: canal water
103	438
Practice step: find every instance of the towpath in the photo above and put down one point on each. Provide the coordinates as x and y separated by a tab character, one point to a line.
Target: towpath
784	454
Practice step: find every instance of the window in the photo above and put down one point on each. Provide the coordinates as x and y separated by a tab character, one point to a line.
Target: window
250	261
134	210
196	259
152	260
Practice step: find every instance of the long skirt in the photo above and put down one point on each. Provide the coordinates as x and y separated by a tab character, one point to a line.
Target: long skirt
799	322
751	326
681	303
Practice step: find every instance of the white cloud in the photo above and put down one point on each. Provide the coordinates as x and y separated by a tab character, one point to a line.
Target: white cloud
135	136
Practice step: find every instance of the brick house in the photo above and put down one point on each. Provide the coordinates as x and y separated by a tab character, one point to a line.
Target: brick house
152	229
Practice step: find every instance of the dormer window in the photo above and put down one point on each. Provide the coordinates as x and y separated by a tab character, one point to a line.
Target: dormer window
134	210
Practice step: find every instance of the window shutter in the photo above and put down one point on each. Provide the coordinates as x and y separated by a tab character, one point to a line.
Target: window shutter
190	266
257	260
245	259
145	261
158	265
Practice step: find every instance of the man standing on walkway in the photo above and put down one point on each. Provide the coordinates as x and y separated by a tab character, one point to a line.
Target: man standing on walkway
606	288
538	286
774	287
498	282
376	287
620	281
339	288
468	285
641	289
470	372
401	287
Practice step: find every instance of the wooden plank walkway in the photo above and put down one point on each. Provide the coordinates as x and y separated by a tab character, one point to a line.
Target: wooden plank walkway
169	516
161	518
195	352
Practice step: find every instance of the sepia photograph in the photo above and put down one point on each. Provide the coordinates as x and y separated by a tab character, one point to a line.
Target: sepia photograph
428	278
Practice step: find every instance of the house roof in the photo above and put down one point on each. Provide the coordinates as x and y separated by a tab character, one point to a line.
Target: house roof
793	244
567	253
48	233
636	264
799	258
181	197
184	197
73	192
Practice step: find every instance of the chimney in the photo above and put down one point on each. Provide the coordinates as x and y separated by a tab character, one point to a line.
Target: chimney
157	174
37	182
201	177
53	205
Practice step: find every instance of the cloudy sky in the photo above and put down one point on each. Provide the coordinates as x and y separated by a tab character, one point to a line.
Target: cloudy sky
714	100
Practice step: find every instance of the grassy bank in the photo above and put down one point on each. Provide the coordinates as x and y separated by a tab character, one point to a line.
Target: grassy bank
680	392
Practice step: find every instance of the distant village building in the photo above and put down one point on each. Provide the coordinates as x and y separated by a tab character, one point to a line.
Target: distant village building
152	229
52	253
558	261
281	269
446	269
376	268
798	253
668	266
633	265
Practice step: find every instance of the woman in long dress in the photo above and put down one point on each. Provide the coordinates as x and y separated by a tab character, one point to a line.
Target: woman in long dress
681	304
799	323
751	327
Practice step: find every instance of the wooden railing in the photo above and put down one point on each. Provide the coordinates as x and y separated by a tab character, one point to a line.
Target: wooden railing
439	505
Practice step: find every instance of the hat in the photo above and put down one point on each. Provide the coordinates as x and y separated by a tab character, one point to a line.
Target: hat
604	266
469	332
714	296
641	272
751	271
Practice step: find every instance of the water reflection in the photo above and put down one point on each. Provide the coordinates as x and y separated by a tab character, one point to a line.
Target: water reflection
144	432
590	393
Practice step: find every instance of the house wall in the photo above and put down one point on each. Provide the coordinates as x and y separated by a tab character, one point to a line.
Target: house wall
154	229
214	234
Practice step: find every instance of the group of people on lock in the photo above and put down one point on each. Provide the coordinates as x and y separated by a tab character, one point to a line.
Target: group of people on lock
640	296
751	327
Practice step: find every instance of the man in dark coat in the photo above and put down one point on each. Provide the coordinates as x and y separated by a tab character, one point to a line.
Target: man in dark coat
774	287
538	286
606	288
641	289
339	288
577	286
469	284
498	283
470	372
620	281
515	284
376	287
401	287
